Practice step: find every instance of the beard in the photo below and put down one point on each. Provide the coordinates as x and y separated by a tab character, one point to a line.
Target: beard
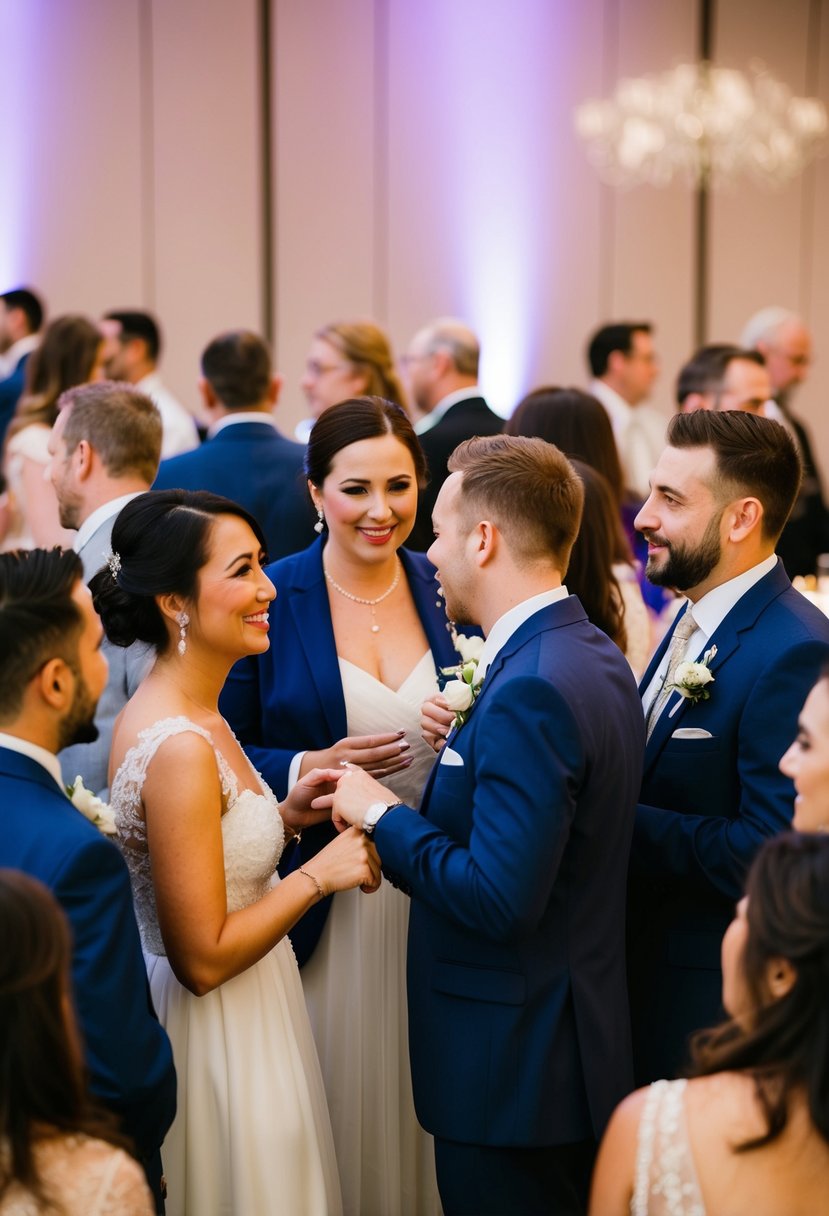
79	724
686	566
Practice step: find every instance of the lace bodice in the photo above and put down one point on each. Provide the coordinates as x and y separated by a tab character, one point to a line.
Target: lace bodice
87	1177
666	1180
252	829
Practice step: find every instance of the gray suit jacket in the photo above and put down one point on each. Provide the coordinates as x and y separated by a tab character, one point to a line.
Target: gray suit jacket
127	668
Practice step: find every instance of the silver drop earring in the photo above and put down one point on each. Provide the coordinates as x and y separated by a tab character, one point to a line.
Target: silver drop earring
183	621
320	524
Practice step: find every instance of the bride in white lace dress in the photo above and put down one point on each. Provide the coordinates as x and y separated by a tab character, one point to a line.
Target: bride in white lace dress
749	1134
202	835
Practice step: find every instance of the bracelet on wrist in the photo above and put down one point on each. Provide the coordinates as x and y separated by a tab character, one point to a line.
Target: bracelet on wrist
314	880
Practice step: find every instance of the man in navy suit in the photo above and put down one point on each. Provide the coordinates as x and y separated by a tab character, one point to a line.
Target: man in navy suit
712	792
442	370
245	457
52	672
517	861
21	317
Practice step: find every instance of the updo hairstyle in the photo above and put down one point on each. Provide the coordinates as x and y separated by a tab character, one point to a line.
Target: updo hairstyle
350	422
162	541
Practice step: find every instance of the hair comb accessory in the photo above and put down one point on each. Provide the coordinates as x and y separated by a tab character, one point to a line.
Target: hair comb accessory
114	564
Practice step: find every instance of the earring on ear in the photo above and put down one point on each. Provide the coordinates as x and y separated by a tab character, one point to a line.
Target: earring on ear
320	524
183	621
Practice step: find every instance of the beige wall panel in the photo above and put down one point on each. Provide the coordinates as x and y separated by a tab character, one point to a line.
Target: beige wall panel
652	246
325	158
206	177
494	209
70	151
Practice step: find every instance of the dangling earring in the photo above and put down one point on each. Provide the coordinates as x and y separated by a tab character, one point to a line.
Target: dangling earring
183	621
320	524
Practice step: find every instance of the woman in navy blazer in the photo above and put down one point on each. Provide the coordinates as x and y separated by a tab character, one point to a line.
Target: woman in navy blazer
358	634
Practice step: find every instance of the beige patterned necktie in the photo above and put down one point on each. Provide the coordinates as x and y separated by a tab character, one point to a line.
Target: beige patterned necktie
686	626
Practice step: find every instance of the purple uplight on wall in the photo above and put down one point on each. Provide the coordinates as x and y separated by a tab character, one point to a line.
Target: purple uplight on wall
19	23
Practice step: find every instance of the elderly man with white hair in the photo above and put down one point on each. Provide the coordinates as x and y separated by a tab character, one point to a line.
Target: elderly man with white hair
785	342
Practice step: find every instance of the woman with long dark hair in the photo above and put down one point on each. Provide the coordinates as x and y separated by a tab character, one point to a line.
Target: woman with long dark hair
748	1134
59	1153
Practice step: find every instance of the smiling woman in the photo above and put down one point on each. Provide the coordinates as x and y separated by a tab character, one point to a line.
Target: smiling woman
202	835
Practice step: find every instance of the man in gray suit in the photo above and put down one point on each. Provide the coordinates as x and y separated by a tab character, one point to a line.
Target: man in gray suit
105	447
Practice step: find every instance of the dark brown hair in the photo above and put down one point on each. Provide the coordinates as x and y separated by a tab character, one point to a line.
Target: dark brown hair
590	573
64	358
353	420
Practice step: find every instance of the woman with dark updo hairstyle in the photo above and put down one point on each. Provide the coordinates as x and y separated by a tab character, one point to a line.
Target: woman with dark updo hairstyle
202	834
361	633
748	1134
579	426
70	353
58	1151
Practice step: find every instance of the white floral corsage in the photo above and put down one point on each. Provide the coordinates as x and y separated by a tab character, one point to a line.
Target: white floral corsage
692	679
98	812
460	691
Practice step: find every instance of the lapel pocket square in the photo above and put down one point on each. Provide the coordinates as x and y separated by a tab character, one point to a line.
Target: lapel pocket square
691	732
448	756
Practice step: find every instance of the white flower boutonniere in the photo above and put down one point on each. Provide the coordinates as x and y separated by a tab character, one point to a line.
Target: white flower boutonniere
692	679
460	692
92	807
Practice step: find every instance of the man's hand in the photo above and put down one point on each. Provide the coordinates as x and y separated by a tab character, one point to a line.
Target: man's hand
354	795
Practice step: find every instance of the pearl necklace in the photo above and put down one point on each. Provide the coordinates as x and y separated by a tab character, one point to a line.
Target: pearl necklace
372	604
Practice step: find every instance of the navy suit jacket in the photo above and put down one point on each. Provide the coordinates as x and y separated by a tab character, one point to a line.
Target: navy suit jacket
128	1053
516	865
705	807
11	390
257	467
290	698
471	416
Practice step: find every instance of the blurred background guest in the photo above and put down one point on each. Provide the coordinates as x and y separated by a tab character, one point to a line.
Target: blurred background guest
723	377
807	760
358	632
61	1153
71	353
21	316
348	359
442	365
749	1133
133	350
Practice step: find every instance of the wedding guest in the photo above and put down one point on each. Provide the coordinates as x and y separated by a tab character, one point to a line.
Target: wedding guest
749	1133
51	675
807	760
360	634
348	359
60	1152
252	1133
577	424
723	377
71	353
21	318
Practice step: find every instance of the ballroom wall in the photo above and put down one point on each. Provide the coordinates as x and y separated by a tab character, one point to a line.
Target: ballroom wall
419	159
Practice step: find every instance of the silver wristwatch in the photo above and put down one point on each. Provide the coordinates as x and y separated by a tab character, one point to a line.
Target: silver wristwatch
375	813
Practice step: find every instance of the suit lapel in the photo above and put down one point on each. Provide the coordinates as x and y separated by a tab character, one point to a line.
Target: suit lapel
308	604
24	768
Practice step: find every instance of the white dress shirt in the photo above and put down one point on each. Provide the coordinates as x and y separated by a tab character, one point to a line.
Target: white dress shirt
242	416
639	431
512	620
34	751
709	614
179	432
10	358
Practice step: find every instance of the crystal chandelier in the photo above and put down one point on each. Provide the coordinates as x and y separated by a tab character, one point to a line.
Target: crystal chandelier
703	124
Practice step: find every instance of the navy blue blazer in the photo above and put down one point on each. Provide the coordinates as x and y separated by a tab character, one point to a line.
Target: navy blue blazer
11	390
516	865
290	698
128	1053
707	804
257	467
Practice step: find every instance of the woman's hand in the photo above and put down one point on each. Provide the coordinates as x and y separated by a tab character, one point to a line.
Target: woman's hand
350	860
380	755
310	800
436	720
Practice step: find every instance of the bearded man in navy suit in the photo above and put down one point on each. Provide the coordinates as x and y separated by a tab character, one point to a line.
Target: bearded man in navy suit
516	861
712	791
52	672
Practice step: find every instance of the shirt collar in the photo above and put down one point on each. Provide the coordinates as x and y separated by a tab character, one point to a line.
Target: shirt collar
444	405
512	620
710	611
241	416
616	406
34	751
10	358
99	516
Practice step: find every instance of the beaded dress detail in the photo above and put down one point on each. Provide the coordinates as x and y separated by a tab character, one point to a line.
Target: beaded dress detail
666	1180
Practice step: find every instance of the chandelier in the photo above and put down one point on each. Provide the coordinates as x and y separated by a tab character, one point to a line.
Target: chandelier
704	124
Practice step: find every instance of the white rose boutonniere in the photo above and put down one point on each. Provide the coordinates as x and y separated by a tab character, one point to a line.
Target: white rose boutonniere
92	807
460	692
692	679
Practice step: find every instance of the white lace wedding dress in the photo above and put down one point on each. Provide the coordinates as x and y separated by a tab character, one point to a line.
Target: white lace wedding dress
85	1176
666	1180
252	1135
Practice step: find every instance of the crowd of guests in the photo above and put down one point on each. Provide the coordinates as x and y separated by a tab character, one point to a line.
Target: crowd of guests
270	691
